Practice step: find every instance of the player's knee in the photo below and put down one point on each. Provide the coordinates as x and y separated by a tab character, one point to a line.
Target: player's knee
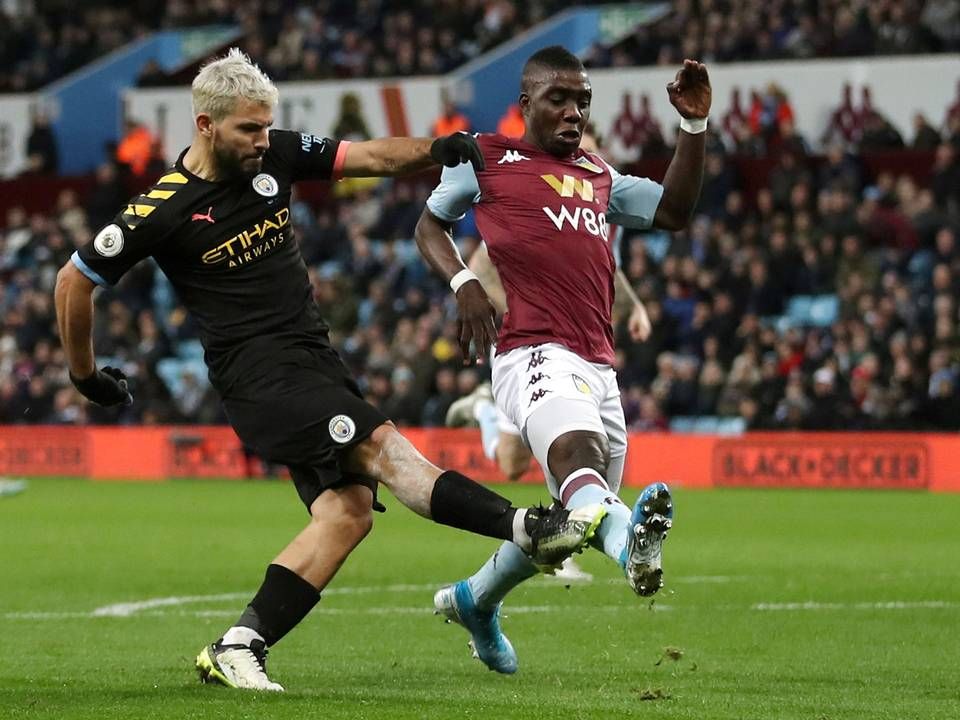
512	471
578	449
513	459
357	511
350	508
379	452
359	525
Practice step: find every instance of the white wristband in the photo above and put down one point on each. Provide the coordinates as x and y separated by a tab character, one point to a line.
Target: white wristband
465	275
694	126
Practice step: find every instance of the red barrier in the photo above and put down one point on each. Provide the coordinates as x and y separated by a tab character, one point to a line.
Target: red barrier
32	450
908	461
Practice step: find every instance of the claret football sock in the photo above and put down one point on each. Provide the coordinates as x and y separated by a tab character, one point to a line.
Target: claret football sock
586	487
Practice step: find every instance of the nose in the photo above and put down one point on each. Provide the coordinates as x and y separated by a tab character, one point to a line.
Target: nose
572	113
262	143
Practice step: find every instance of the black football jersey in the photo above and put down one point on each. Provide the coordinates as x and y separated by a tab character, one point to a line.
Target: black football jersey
228	250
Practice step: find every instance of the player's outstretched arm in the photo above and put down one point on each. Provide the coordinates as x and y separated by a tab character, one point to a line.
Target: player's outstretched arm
73	297
690	94
475	311
401	156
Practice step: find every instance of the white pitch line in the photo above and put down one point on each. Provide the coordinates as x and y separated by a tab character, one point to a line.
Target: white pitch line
890	605
129	608
126	609
156	611
390	610
154	607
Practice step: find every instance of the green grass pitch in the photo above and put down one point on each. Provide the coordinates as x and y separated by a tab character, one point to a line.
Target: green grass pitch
778	605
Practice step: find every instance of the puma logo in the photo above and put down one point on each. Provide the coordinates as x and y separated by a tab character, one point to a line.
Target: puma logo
208	217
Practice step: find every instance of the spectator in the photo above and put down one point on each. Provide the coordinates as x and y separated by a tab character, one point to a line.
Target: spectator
844	122
648	132
825	411
735	122
451	120
107	196
403	406
350	124
511	124
942	19
43	157
436	406
925	136
151	75
945	182
135	149
879	134
623	136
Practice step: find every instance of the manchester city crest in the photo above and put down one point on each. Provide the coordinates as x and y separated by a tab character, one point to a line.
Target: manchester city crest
265	185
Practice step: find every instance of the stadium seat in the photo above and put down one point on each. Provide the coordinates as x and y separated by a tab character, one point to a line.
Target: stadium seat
190	350
171	372
812	311
708	425
681	424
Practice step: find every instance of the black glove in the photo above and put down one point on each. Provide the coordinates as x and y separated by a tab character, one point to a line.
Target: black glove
458	148
105	387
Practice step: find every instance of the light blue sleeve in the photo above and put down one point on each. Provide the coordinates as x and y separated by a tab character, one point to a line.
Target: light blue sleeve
633	201
457	192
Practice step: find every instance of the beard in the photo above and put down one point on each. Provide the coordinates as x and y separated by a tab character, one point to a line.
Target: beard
236	167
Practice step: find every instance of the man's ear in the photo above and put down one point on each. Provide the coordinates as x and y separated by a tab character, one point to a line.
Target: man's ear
524	103
204	125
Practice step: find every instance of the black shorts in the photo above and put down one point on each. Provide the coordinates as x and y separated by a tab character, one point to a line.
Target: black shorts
304	413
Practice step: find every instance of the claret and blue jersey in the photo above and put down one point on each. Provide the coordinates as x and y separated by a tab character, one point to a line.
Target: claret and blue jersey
545	222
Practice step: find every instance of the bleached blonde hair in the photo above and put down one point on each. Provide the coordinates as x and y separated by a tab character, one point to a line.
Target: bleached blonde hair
221	83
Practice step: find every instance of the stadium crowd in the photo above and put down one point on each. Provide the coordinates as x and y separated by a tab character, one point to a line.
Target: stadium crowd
43	40
826	299
752	30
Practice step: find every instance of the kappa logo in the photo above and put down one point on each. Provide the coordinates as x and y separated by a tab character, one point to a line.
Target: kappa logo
342	428
208	217
537	377
511	156
537	358
538	395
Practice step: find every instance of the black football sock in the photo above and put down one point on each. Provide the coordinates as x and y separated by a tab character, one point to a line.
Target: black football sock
460	502
283	600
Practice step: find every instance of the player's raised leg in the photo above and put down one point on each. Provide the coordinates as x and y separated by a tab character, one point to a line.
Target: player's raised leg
546	535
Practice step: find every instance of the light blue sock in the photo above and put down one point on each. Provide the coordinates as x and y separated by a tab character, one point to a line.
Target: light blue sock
507	567
612	533
486	414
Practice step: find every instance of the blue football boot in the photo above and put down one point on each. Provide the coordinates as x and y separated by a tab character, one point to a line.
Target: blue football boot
651	518
489	644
